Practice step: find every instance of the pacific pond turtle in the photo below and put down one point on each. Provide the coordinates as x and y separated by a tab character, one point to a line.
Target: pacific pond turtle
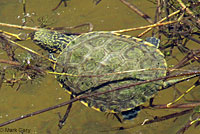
107	60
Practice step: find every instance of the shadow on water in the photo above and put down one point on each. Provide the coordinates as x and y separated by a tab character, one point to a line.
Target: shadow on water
107	15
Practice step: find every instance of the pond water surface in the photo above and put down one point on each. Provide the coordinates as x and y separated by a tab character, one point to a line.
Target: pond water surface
108	15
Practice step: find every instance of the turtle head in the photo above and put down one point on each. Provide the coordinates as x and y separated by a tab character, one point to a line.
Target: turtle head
51	41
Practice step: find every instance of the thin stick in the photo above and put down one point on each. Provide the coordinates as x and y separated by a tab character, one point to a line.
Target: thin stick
30	50
97	94
24	10
172	14
10	62
188	10
17	26
144	27
158	119
119	72
117	31
138	11
185	8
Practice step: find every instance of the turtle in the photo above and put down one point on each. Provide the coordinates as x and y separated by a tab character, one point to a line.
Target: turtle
100	61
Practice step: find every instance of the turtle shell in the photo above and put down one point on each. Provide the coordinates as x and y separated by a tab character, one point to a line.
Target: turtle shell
102	61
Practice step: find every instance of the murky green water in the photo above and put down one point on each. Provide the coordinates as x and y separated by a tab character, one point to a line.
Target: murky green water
108	15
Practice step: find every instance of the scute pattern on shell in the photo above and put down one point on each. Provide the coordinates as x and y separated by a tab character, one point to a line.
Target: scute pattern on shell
99	53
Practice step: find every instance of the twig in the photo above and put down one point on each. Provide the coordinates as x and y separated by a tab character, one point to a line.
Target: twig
14	63
57	5
187	9
39	112
144	27
24	10
186	105
138	11
74	27
156	119
172	14
30	50
2	76
10	62
159	119
17	26
187	125
97	94
187	58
